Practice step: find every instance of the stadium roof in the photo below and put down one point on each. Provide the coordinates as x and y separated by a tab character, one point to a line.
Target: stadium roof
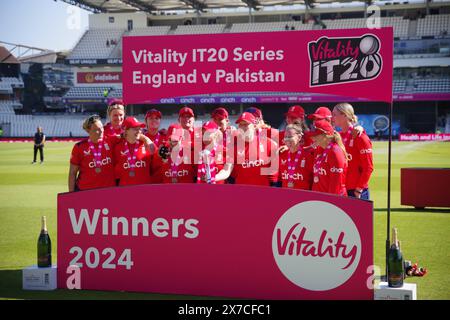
161	5
6	56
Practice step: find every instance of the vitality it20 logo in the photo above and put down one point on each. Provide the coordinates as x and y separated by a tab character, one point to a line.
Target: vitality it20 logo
337	60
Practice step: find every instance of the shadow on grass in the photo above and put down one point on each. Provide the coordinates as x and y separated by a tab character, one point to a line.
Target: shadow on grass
413	210
11	288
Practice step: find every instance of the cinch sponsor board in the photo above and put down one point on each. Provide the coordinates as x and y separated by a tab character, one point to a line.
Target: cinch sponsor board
350	63
276	244
99	77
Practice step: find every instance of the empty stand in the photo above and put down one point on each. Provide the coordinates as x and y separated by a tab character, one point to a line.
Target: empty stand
92	92
53	126
432	85
270	26
6	108
401	26
93	44
434	25
200	29
8	84
151	31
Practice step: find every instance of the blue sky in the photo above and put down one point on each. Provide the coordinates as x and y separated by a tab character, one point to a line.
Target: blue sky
46	24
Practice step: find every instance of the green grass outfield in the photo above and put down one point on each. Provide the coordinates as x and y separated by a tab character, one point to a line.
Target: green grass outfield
29	191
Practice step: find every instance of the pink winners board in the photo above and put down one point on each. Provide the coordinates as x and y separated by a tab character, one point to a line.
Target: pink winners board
217	240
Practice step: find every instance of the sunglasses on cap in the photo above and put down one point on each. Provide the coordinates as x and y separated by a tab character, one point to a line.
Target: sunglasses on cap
93	119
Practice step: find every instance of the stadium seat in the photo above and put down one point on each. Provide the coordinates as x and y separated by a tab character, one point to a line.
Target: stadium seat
150	31
92	92
433	25
93	44
200	29
269	26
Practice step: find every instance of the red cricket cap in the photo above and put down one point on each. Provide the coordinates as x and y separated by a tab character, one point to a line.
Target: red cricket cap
296	112
320	114
112	102
322	127
247	117
220	113
255	111
186	110
210	125
175	130
132	122
153	112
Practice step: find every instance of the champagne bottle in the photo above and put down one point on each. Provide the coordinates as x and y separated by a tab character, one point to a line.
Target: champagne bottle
396	270
44	247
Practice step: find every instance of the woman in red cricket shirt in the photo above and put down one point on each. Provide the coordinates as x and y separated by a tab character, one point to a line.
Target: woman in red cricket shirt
153	122
359	149
211	158
323	113
91	162
186	118
159	137
116	114
132	157
263	129
296	164
221	117
227	133
296	115
254	160
177	157
330	166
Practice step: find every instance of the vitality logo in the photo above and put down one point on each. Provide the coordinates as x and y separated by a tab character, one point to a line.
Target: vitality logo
338	60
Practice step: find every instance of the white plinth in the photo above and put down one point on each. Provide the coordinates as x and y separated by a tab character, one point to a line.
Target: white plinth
34	278
407	292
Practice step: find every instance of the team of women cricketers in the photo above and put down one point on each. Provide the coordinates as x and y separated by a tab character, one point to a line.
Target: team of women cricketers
321	158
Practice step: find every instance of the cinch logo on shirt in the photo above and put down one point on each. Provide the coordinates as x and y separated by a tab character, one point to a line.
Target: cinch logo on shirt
295	176
336	170
322	171
252	164
138	164
172	174
364	151
104	162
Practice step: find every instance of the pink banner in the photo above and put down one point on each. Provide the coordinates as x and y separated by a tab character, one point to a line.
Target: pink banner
268	243
425	137
353	63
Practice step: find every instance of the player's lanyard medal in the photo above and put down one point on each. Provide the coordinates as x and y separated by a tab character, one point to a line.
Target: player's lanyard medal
131	158
292	166
318	163
97	153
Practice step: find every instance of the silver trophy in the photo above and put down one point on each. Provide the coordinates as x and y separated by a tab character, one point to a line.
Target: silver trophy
206	156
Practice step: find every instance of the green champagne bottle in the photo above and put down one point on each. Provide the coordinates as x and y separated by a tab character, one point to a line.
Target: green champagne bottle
396	271
44	247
